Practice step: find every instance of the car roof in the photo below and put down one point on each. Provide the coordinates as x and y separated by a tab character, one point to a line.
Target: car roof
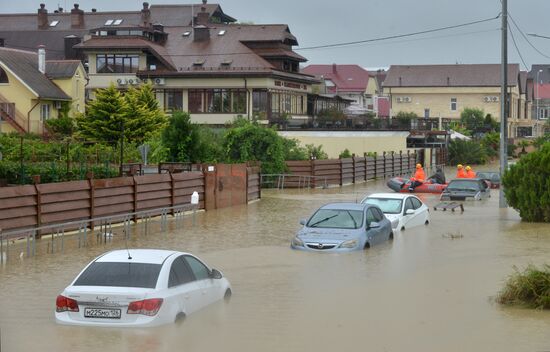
388	195
345	206
149	256
466	180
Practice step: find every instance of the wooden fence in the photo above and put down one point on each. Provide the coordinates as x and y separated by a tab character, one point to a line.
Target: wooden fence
350	170
55	203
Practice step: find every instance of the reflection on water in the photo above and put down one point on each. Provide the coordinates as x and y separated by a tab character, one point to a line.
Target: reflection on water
423	292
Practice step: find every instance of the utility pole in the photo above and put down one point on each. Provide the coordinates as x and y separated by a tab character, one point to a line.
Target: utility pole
121	147
504	103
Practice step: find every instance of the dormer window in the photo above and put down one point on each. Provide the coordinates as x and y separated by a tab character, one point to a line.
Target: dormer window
109	22
54	23
186	34
199	63
226	63
117	22
222	32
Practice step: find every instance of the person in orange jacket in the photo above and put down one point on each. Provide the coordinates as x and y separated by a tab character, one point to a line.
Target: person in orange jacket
469	172
418	178
460	172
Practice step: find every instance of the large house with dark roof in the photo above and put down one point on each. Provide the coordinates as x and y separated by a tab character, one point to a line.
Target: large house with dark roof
195	56
33	89
444	91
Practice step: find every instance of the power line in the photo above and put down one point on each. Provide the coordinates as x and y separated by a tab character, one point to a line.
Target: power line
517	48
525	37
399	35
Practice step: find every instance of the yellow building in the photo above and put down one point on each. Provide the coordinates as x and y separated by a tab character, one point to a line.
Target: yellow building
33	90
444	91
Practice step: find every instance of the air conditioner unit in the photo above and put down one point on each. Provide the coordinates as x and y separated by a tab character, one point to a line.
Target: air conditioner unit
121	82
159	81
407	99
58	105
495	99
488	99
399	99
131	81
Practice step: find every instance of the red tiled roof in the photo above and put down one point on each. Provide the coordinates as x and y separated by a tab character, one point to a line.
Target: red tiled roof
541	91
346	78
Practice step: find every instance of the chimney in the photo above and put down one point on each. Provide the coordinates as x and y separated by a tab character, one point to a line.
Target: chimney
42	59
448	81
77	17
334	70
69	42
203	17
43	17
400	81
201	34
94	10
145	15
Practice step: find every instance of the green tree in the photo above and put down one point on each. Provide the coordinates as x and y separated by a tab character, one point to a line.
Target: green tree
527	185
491	143
143	115
466	152
252	142
63	126
404	118
105	117
345	154
181	138
472	118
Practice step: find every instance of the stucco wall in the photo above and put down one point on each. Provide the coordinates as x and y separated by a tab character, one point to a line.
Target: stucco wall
356	142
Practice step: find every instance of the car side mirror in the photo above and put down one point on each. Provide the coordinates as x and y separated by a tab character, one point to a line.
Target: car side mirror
409	212
215	274
303	222
374	225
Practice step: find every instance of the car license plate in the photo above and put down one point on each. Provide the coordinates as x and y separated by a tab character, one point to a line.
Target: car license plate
102	313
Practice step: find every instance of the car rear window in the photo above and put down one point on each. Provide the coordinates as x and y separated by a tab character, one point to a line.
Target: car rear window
463	185
139	275
388	205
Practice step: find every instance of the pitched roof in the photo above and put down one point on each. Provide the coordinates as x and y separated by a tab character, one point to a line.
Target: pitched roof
21	31
543	76
59	69
346	78
477	75
24	64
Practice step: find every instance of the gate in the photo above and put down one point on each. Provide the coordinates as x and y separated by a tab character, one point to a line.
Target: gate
226	185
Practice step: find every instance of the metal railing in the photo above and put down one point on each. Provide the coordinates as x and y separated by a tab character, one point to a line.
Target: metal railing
303	181
85	227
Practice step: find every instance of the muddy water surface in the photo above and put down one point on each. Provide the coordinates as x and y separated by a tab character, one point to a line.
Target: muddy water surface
423	292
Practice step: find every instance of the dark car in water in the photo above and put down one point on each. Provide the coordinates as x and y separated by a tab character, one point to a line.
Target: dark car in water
466	188
492	176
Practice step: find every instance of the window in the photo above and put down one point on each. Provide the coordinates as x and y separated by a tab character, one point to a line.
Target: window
117	63
173	100
3	76
287	103
388	205
408	205
200	271
524	132
416	203
426	113
453	104
224	101
378	215
370	217
186	34
109	22
120	275
180	273
54	23
259	101
222	32
44	112
117	22
337	219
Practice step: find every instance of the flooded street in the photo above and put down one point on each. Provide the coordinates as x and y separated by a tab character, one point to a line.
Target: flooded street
425	291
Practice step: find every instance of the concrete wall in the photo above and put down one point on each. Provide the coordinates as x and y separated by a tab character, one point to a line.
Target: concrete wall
357	143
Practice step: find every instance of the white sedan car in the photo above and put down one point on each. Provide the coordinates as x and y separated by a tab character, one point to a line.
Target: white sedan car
403	210
140	287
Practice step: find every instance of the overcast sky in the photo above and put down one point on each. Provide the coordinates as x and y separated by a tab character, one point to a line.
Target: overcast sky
319	22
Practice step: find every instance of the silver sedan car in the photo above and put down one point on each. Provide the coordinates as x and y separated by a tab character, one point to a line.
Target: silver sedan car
343	227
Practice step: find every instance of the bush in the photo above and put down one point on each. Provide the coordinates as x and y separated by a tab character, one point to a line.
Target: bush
345	154
530	288
404	118
527	185
466	152
61	127
472	119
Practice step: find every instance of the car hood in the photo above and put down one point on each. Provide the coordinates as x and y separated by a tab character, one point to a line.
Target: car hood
316	234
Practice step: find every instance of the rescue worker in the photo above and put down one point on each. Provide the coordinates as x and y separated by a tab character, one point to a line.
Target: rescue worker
418	178
460	172
469	172
438	177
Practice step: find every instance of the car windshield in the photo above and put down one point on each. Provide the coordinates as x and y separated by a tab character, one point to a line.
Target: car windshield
491	176
337	219
140	275
463	185
388	205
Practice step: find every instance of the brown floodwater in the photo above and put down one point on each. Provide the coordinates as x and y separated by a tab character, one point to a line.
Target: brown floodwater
425	291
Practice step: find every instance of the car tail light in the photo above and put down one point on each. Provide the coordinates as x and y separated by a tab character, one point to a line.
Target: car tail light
64	304
148	307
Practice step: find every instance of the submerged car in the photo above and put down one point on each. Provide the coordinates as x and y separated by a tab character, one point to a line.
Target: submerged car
466	188
493	177
343	227
403	210
140	287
